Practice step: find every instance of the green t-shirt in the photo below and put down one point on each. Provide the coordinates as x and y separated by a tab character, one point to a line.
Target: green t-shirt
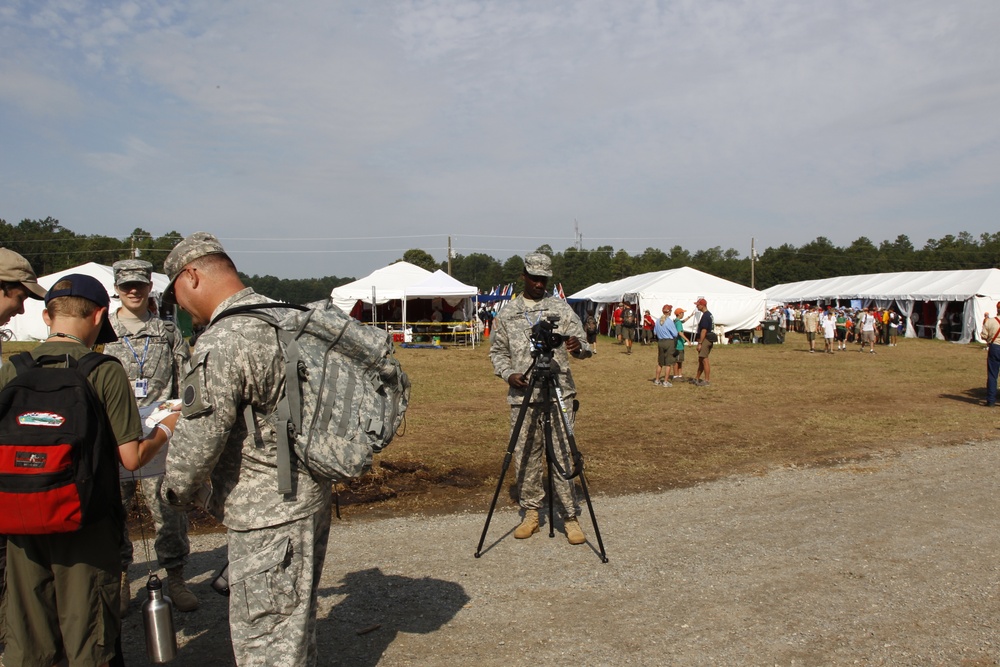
679	325
110	382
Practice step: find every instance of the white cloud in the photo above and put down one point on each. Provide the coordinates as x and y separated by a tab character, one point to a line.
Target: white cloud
34	93
715	120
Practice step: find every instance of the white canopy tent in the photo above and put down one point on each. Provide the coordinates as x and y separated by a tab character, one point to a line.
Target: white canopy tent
973	293
404	282
734	306
440	284
381	286
29	326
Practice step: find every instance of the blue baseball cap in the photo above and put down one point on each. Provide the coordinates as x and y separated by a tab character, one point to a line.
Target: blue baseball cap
91	289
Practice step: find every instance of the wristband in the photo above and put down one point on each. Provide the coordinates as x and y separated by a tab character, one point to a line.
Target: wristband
165	429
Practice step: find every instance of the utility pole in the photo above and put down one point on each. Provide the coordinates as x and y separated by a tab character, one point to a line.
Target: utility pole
449	255
753	260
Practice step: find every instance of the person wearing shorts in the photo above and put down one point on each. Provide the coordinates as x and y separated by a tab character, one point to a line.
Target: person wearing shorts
629	321
666	338
706	326
867	324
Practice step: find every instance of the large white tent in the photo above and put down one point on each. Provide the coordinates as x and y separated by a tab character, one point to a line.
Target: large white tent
29	326
926	299
734	306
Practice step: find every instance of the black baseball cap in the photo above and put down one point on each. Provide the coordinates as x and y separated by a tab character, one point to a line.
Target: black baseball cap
91	289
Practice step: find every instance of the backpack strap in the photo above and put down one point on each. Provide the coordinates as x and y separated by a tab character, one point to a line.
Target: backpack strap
252	309
285	426
90	361
85	364
992	340
23	361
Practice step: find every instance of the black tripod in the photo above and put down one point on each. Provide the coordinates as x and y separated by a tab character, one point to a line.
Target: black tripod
541	377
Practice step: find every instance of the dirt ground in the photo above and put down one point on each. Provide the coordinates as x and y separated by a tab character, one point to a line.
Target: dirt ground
889	561
804	510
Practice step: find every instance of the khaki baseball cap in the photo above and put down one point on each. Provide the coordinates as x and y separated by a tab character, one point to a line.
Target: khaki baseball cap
16	269
194	247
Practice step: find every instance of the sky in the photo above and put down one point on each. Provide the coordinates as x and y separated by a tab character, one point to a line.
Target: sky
328	137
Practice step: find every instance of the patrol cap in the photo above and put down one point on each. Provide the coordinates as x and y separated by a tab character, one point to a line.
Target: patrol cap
193	247
132	271
91	289
16	269
538	264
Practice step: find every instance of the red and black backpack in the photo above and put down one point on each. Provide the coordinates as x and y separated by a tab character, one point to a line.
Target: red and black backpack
58	458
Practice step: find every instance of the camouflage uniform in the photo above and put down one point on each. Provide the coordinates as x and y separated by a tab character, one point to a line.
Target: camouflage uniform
277	543
159	354
510	352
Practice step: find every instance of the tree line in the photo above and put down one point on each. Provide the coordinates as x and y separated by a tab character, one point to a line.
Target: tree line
51	248
577	269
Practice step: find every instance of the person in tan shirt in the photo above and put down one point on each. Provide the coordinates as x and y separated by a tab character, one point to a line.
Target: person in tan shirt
991	334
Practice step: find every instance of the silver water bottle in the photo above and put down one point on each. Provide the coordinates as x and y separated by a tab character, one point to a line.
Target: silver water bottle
158	619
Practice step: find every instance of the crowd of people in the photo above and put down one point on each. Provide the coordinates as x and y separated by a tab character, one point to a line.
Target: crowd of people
839	327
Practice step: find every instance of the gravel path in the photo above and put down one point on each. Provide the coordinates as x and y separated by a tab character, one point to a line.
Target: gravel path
887	562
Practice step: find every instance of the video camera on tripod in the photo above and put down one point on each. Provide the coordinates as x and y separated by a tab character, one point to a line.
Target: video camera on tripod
564	461
544	338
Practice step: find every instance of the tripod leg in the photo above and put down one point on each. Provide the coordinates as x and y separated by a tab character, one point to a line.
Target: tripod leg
574	469
556	472
514	434
547	430
548	475
593	518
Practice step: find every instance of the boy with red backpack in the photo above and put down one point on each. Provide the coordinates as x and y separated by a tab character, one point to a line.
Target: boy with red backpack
67	417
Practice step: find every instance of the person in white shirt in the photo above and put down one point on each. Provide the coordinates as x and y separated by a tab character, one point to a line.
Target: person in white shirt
829	324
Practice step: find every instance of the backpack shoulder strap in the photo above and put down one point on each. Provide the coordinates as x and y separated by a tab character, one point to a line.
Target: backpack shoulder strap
254	310
284	423
993	340
23	362
90	361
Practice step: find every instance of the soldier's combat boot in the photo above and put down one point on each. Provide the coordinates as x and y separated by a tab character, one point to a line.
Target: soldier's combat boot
573	532
529	526
180	595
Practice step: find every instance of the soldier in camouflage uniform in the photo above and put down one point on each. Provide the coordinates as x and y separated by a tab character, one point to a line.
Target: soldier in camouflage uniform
510	352
155	356
277	543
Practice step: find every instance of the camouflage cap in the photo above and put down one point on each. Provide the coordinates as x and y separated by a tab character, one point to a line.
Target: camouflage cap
132	271
16	269
538	264
193	247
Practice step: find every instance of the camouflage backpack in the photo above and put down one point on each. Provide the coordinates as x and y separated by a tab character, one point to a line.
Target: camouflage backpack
345	393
